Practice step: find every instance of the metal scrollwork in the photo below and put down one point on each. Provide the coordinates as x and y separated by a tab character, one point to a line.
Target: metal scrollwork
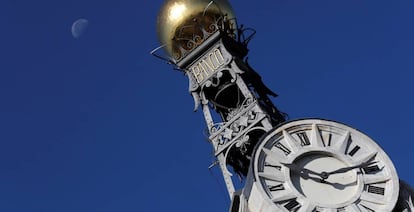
242	144
196	31
229	132
405	202
233	112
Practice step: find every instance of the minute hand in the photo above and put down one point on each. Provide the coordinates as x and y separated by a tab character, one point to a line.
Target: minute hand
346	169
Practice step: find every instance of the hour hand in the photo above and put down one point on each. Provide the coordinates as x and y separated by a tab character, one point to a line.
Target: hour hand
302	171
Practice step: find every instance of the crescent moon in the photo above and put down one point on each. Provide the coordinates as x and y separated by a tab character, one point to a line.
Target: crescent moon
79	27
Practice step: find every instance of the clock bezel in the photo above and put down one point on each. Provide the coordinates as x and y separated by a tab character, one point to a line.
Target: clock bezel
269	139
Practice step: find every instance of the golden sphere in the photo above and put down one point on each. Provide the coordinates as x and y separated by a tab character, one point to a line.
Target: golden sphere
183	24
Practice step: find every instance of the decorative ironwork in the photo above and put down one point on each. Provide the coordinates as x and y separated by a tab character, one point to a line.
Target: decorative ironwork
241	112
195	31
405	202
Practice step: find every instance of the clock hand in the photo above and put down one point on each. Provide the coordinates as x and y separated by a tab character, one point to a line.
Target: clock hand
301	170
363	163
346	169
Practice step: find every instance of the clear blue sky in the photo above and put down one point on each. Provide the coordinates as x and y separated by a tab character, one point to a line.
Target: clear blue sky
97	124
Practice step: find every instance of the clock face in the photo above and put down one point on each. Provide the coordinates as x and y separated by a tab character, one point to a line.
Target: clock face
319	165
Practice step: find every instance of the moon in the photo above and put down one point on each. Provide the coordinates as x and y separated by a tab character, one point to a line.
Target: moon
79	27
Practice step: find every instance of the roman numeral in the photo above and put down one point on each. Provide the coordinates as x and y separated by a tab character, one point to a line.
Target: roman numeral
370	204
283	196
354	150
376	190
278	187
304	139
342	145
348	144
283	148
292	205
329	140
366	208
371	169
292	143
345	145
370	199
276	176
273	166
352	207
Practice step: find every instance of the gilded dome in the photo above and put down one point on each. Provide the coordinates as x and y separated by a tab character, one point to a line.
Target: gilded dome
184	24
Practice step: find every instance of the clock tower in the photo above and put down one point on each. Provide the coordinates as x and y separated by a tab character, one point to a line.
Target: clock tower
302	165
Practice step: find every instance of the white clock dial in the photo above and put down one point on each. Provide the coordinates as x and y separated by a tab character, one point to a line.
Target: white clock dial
319	165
